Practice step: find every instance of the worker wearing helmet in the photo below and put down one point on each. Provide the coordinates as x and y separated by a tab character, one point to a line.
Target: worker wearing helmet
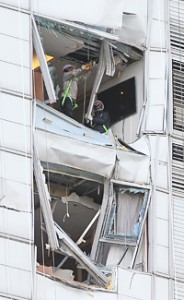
101	119
70	88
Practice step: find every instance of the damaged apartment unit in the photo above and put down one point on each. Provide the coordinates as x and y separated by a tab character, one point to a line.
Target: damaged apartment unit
85	214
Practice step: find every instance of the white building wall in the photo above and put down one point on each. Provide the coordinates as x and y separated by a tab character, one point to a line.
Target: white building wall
154	125
130	285
16	216
52	289
100	13
134	285
16	261
14	4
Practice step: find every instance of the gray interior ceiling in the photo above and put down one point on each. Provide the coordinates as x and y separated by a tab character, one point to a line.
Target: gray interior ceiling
61	40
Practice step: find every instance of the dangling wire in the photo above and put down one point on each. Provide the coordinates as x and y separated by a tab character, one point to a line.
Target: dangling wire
67	212
84	102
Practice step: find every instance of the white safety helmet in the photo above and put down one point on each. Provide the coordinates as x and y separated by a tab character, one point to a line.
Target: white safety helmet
68	66
98	105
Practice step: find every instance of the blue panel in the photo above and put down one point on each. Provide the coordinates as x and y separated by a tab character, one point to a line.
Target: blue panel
55	122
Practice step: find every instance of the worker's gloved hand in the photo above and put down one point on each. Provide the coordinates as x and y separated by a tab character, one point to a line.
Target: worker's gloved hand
88	119
88	66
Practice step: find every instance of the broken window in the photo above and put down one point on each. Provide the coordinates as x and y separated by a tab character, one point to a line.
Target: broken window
123	235
126	214
81	215
72	43
66	211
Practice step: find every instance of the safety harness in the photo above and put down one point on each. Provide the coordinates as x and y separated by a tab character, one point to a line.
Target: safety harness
66	94
104	126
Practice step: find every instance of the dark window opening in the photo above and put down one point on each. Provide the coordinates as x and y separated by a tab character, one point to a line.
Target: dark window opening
120	100
74	204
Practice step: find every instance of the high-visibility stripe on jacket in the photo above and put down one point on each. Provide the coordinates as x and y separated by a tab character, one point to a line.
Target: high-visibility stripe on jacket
66	93
105	128
102	125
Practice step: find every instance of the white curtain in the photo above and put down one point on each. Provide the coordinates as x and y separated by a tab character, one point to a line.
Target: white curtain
128	208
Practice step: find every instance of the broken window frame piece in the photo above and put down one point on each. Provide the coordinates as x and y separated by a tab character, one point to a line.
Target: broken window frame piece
44	198
43	63
125	239
80	239
106	62
107	196
68	247
141	230
52	167
99	240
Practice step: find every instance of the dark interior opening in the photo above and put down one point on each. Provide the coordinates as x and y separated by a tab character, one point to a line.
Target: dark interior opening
80	214
120	100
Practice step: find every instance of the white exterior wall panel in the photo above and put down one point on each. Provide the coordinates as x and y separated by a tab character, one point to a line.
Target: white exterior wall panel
15	136
159	9
161	259
159	146
158	37
19	27
160	205
161	232
161	289
157	91
160	157
161	174
23	258
15	109
151	124
134	285
15	283
15	78
157	59
16	224
24	4
21	50
16	220
51	289
16	65
135	8
157	74
16	167
99	13
158	25
22	195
